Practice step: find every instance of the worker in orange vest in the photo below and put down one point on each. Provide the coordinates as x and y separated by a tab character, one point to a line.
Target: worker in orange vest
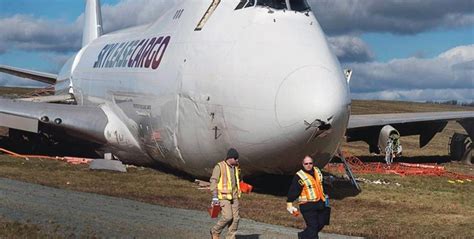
226	191
307	187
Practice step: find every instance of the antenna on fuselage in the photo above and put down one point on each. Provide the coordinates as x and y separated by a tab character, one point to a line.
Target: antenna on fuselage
348	75
92	22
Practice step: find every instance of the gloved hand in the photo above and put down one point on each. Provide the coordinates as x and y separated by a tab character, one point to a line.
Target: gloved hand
215	201
291	209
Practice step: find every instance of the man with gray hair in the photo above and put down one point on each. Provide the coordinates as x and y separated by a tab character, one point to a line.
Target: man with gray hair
307	187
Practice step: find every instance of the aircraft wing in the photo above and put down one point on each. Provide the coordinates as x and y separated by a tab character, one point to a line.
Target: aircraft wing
367	127
47	78
83	122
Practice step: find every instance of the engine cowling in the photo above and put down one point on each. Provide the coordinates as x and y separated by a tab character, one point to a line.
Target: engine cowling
389	143
460	148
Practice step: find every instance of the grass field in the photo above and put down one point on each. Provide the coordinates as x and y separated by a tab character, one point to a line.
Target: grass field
383	106
11	229
421	207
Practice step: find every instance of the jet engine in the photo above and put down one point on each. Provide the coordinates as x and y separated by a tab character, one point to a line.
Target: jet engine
460	148
389	143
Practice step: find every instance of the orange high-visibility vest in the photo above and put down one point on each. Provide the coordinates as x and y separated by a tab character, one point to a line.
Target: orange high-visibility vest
312	186
224	186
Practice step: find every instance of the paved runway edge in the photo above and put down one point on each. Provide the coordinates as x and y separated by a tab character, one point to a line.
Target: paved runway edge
85	214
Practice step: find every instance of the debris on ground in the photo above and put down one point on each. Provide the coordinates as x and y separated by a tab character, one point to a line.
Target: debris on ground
378	181
108	164
202	184
459	181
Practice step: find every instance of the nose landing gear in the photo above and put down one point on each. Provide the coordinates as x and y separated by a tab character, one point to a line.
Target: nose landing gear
348	170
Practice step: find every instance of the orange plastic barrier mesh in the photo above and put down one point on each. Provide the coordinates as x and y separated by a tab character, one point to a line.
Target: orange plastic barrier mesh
70	160
401	169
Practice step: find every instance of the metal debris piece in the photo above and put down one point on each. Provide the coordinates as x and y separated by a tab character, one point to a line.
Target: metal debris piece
105	164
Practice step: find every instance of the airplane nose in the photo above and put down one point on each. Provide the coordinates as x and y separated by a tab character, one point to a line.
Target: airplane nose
308	94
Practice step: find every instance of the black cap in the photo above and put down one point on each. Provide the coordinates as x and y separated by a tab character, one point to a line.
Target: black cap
232	153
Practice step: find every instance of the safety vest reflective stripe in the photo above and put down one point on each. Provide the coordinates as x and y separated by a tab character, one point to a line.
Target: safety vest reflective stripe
312	186
224	186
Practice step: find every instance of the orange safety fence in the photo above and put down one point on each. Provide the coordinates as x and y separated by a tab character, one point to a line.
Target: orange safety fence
401	169
70	160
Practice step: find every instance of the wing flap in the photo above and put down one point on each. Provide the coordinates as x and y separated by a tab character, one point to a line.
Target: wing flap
44	77
84	122
18	122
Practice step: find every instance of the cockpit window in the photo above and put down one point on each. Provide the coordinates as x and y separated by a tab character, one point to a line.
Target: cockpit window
276	4
244	4
294	5
299	5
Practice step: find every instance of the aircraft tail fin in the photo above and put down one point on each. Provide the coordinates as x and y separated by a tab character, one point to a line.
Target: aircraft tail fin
92	22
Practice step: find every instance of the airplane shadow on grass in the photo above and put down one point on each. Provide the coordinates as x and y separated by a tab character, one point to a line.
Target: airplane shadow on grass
336	187
339	187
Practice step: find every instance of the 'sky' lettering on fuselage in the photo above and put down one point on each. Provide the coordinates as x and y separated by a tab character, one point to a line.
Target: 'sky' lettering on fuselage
145	53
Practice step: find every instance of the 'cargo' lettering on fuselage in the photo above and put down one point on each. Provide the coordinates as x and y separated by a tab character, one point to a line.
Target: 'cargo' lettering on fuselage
145	53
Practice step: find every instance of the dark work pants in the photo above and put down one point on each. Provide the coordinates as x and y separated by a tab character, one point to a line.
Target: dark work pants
314	219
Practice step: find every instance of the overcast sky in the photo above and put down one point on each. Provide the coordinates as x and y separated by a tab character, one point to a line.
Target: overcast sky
399	49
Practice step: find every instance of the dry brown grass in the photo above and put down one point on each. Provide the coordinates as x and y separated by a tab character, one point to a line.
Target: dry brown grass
421	206
10	229
14	92
383	106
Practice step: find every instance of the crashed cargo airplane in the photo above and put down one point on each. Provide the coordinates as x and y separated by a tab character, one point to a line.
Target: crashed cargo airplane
256	75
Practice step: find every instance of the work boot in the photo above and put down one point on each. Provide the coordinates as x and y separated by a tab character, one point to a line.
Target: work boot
214	236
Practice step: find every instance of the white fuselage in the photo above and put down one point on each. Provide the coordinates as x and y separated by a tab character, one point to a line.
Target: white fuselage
249	80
